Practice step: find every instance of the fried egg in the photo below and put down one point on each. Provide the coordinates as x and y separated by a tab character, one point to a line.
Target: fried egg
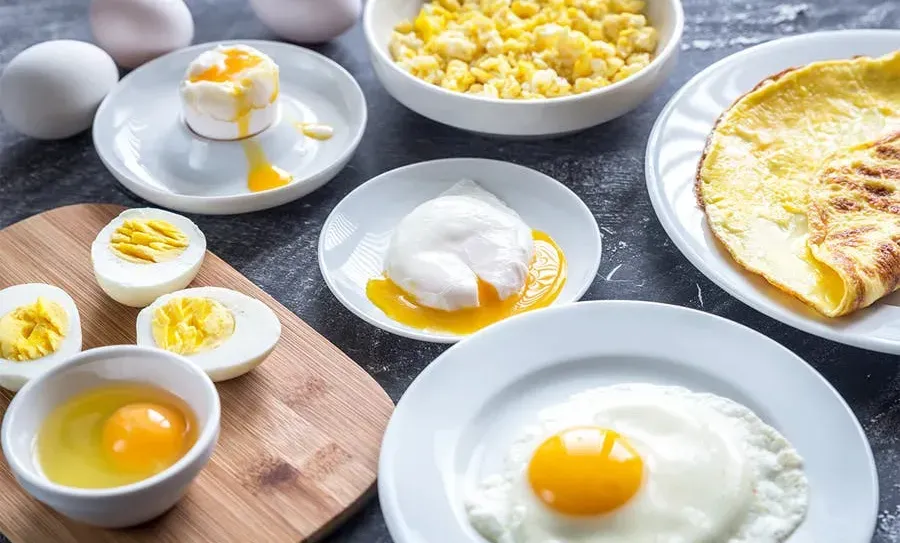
224	332
39	328
145	253
641	463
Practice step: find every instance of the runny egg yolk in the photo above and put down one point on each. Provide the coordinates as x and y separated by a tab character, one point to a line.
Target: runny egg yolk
144	437
546	277
148	241
32	331
236	61
261	174
191	325
585	471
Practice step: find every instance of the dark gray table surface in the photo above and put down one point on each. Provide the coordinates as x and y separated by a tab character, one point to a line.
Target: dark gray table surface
604	166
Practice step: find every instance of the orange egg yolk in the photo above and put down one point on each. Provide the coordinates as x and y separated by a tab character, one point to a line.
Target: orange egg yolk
546	278
585	471
236	61
145	437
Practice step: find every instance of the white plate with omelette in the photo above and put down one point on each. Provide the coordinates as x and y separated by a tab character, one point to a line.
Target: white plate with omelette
774	171
568	424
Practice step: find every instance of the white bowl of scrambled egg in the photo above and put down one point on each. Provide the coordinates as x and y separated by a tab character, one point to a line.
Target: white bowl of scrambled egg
523	68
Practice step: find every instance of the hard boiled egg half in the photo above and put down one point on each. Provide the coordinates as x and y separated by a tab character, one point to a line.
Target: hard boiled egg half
39	328
145	253
224	332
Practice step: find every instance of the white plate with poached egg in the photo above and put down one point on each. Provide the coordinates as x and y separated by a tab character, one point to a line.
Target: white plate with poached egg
743	455
538	244
141	135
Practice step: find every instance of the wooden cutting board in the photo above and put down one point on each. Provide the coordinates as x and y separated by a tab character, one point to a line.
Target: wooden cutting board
300	434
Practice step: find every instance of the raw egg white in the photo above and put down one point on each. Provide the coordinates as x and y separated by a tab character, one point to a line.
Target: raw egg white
224	332
39	328
52	90
136	31
145	253
641	463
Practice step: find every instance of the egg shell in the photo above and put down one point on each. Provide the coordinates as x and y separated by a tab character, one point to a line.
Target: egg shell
52	90
308	21
137	285
256	332
136	31
14	375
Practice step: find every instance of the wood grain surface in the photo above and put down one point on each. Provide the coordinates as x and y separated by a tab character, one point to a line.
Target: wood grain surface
300	434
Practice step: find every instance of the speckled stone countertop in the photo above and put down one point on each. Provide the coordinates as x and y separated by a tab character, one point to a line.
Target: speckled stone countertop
604	166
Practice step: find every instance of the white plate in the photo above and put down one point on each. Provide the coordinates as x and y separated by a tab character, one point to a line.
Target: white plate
454	424
141	137
356	234
675	147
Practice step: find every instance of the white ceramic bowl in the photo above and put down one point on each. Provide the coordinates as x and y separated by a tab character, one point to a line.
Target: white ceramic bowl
519	118
125	505
356	235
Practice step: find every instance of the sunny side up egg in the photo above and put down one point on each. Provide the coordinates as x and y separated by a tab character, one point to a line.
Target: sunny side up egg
39	328
224	332
641	463
145	253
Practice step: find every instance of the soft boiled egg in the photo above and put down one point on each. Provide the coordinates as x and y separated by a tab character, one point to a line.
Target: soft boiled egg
39	328
641	463
145	253
465	260
224	332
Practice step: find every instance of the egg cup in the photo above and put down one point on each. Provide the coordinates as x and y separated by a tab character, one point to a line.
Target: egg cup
127	505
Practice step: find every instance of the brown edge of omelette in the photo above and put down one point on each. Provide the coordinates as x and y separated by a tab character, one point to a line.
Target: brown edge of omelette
698	193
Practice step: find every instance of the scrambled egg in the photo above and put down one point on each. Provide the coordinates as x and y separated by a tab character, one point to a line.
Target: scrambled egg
525	49
33	331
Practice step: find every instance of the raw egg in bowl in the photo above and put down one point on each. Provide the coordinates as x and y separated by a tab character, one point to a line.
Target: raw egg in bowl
113	436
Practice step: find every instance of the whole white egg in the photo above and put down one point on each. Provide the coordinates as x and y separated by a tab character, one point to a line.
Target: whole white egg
641	463
136	31
13	329
182	322
308	21
145	253
52	90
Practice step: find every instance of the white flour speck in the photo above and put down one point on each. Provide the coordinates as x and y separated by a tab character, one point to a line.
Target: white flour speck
699	294
609	276
701	45
785	13
607	230
889	524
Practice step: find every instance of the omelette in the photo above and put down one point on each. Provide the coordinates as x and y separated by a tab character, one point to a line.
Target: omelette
797	181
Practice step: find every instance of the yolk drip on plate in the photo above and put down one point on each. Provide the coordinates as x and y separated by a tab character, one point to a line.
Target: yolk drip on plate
262	174
148	241
546	277
585	471
191	325
114	435
32	331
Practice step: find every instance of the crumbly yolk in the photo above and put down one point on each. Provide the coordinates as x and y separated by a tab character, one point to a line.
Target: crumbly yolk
144	438
148	241
546	277
191	325
32	331
585	471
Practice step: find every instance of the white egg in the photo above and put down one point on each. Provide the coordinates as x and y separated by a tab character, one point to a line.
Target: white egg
15	373
136	31
137	282
52	90
712	471
308	21
255	333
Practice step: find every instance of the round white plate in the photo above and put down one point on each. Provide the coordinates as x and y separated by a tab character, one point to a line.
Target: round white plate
141	137
356	234
455	423
674	150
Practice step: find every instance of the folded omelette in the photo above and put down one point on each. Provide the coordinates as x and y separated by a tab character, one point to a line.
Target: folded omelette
800	181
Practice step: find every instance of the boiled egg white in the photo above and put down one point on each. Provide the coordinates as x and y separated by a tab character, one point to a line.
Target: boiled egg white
39	328
641	463
145	253
224	332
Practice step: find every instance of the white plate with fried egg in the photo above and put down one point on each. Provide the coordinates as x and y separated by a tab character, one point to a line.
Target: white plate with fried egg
674	150
620	421
316	120
437	250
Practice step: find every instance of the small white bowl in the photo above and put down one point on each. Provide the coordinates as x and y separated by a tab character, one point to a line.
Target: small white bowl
356	234
127	505
519	118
